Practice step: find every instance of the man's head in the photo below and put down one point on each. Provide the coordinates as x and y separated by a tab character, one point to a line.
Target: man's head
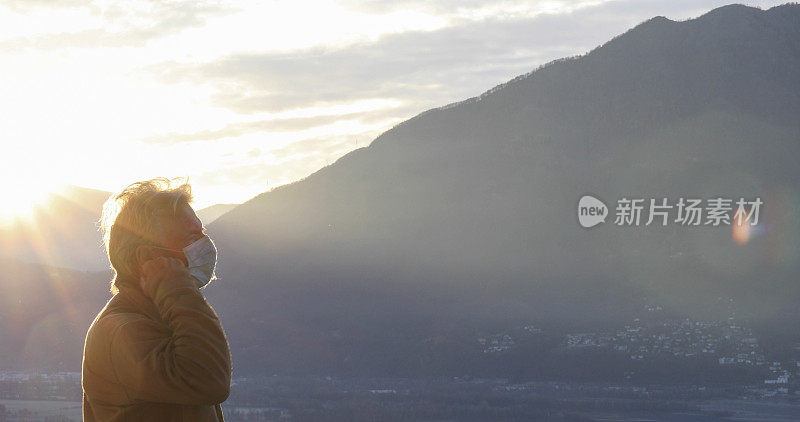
144	218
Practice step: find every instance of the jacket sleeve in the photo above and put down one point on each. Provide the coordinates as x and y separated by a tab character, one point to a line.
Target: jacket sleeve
189	363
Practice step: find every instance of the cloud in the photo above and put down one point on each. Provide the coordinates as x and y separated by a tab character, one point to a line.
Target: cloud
283	165
423	68
471	9
281	125
138	22
25	6
426	68
643	9
439	6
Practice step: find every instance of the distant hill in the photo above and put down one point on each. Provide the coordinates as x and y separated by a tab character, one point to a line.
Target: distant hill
463	217
44	314
209	214
62	231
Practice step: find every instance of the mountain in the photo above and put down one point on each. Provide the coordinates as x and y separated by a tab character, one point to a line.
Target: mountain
463	218
209	214
44	314
61	232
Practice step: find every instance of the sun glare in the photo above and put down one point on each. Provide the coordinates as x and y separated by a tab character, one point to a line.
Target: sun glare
20	200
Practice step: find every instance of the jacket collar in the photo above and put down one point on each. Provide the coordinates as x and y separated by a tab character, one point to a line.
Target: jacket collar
130	291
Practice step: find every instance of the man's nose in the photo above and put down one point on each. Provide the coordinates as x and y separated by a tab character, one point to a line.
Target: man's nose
194	226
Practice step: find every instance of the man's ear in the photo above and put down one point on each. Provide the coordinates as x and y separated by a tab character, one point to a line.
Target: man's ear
144	253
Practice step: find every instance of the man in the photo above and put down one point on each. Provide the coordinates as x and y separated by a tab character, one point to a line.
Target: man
157	350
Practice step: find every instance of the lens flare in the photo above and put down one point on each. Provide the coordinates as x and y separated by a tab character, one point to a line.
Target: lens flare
741	232
20	200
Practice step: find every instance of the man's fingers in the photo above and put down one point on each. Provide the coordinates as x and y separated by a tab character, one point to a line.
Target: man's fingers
153	265
163	273
161	264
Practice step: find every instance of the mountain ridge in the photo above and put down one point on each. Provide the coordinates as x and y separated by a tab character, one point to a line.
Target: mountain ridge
463	216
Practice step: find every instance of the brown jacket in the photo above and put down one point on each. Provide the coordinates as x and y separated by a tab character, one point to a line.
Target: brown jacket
165	359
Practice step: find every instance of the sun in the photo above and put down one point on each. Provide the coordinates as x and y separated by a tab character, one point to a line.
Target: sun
20	200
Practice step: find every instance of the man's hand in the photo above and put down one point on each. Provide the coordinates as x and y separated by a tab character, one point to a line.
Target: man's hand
161	275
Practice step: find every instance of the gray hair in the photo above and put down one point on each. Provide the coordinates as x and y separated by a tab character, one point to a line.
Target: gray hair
132	218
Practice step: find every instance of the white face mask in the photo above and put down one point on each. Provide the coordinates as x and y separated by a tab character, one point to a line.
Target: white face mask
201	256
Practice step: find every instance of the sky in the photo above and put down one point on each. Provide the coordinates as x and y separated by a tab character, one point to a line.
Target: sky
242	97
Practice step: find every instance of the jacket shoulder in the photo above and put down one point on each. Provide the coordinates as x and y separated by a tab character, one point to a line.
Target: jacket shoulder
117	313
99	379
113	319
